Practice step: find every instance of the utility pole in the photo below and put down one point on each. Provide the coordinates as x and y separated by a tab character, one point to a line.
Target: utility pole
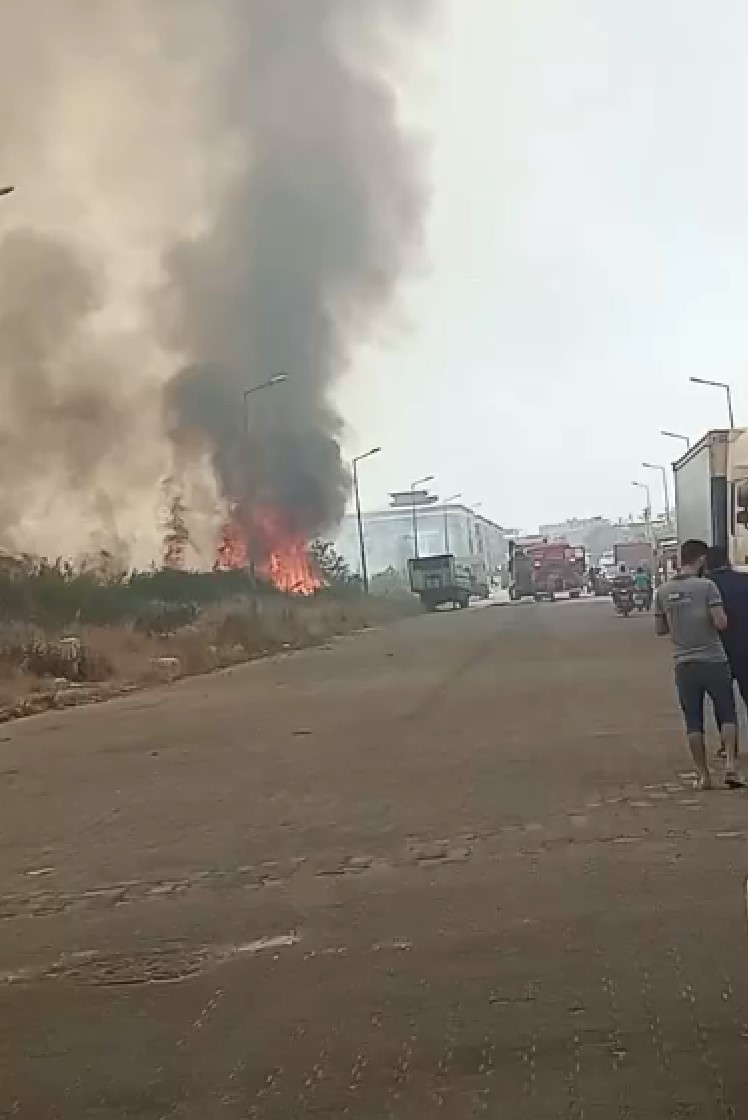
452	498
663	472
359	519
677	435
277	380
718	385
413	487
647	509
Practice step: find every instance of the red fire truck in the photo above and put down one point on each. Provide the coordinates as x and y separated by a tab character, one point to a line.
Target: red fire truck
542	569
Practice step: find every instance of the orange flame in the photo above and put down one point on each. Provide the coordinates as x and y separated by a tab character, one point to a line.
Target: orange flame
282	556
231	555
285	555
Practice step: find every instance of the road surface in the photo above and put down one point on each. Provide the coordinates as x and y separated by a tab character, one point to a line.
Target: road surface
449	869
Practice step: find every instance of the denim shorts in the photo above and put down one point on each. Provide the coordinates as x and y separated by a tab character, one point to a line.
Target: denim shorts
695	680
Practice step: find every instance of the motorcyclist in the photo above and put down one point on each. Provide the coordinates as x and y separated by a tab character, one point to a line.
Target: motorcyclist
621	583
622	578
643	582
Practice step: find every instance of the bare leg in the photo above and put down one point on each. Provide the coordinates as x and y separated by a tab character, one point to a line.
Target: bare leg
697	747
722	752
729	735
730	743
743	690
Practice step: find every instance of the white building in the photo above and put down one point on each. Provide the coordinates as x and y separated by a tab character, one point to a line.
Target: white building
388	534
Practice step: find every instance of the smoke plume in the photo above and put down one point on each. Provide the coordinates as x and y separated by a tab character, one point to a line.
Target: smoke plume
208	194
306	250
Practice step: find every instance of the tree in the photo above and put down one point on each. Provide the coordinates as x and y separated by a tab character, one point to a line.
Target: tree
333	568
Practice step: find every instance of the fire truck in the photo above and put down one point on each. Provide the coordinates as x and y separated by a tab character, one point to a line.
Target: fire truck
541	569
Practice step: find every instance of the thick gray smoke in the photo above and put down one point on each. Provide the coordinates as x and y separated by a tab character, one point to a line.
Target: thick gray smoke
207	193
306	251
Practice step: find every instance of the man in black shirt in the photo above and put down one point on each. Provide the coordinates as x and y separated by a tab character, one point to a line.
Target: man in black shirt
733	587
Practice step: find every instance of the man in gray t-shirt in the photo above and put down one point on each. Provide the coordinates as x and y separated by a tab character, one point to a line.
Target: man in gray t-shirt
687	603
689	608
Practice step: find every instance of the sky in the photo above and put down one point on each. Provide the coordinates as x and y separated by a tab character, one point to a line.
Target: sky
587	252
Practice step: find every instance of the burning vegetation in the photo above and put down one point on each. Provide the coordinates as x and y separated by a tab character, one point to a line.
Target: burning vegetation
264	543
232	555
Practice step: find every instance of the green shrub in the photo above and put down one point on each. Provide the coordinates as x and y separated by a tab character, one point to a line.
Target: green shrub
57	595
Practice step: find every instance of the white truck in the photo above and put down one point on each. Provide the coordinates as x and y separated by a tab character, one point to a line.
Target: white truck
711	493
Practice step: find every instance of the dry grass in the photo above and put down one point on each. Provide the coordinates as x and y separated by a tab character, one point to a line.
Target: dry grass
16	685
118	656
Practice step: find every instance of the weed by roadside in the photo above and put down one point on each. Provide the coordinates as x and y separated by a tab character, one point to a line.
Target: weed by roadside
42	667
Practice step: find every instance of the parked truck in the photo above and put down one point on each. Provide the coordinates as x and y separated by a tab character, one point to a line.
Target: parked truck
520	572
480	584
711	493
441	579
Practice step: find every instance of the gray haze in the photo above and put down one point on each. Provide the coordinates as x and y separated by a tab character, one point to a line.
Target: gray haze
305	252
222	189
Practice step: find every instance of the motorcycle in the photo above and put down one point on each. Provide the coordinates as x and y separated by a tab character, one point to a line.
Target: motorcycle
642	599
623	600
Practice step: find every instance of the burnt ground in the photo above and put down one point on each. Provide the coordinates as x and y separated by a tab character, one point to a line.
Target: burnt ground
449	869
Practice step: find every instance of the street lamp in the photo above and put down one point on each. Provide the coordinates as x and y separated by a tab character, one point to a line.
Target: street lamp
676	435
277	380
718	385
413	487
663	472
6	190
451	498
362	547
648	507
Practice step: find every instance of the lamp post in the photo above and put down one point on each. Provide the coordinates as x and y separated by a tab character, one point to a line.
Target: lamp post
413	487
361	544
277	380
473	507
718	385
648	508
451	498
6	190
663	472
676	435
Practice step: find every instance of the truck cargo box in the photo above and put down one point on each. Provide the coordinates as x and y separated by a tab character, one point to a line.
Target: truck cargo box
634	554
711	492
701	490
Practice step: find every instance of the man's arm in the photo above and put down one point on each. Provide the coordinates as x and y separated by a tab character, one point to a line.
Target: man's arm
716	608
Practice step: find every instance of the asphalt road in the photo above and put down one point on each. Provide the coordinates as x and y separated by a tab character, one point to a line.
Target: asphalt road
449	869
